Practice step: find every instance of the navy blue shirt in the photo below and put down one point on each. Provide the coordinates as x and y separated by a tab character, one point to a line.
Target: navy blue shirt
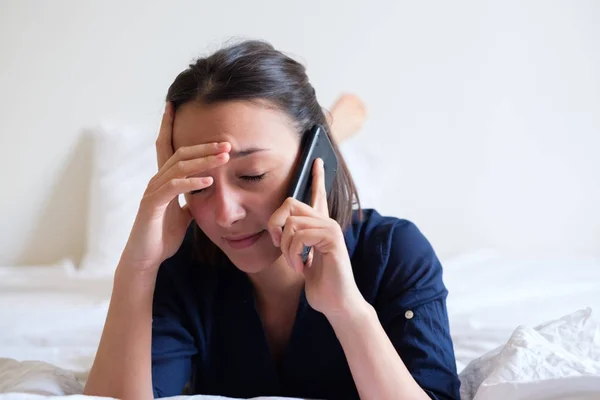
207	333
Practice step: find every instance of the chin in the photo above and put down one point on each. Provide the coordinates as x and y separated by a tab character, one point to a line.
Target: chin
255	261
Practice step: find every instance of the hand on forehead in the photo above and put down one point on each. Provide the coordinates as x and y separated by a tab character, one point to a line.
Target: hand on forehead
245	125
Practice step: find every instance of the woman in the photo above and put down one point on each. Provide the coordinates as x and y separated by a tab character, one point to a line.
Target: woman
214	295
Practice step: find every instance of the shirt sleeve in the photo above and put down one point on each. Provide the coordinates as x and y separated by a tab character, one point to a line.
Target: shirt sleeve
173	346
411	305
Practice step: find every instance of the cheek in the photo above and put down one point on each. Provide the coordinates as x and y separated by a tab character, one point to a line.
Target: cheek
274	201
274	196
199	210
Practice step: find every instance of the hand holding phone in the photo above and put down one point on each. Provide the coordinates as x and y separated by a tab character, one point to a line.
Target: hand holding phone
315	144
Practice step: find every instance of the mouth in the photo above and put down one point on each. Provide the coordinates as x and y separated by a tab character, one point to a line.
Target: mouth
243	241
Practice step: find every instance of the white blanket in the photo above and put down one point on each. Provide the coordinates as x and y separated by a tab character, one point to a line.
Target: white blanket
24	396
491	295
556	360
55	315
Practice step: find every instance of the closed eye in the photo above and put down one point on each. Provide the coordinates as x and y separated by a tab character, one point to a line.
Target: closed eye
249	178
253	178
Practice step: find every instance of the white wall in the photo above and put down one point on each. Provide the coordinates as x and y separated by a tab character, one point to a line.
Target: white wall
484	118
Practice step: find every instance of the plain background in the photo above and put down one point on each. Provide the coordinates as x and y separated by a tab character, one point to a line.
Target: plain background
484	117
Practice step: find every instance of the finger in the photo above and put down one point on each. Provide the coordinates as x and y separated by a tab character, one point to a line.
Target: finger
286	237
285	240
184	169
164	142
319	191
172	189
185	216
313	237
185	153
290	207
293	225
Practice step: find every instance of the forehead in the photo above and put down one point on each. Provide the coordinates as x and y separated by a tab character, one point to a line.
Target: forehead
244	124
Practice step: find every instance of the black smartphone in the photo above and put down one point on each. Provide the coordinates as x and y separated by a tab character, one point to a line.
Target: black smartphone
315	144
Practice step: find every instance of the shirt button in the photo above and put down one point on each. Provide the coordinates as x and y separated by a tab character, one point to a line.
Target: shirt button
409	314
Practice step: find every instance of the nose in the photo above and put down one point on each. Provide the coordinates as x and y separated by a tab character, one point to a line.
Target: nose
227	205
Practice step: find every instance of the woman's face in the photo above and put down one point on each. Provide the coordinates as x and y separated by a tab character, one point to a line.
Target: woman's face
251	185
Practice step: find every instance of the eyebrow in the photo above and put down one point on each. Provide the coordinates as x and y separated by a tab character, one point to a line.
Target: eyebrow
245	152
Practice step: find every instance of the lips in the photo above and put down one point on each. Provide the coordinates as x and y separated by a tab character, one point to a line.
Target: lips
239	237
243	241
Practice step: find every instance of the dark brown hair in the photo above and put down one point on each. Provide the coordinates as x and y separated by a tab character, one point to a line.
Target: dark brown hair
254	71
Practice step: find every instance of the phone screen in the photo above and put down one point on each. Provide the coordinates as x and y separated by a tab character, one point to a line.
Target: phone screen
315	144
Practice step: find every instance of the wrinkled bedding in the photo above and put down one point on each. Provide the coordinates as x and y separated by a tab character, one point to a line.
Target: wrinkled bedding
521	329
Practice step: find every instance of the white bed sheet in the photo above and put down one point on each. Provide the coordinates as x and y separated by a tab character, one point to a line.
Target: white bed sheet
491	295
55	314
52	314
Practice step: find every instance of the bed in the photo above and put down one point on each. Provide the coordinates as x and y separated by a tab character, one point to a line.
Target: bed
539	339
522	328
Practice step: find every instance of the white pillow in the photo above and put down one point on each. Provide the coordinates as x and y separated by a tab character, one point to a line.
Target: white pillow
124	160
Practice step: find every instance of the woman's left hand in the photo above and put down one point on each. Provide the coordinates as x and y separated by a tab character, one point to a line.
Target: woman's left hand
329	282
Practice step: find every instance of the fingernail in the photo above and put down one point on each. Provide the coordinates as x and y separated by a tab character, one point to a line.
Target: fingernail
222	145
167	106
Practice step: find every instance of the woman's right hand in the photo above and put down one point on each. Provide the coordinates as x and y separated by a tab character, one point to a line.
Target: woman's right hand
161	223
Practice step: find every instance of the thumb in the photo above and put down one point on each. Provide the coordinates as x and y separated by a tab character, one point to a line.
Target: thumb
183	215
186	214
